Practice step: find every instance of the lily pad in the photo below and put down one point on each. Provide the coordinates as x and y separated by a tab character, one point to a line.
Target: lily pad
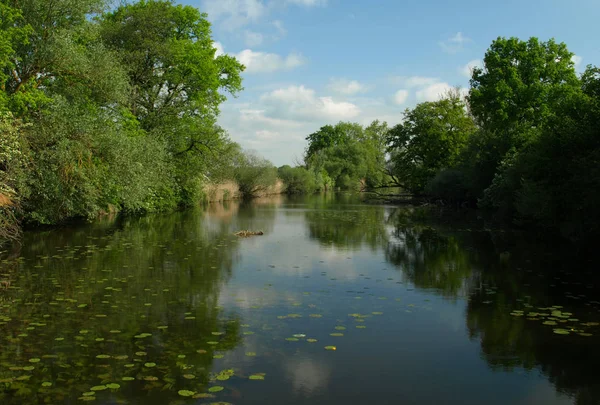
186	393
113	386
216	388
333	348
149	365
98	388
256	377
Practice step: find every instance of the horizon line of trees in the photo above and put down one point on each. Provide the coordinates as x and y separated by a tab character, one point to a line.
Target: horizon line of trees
524	143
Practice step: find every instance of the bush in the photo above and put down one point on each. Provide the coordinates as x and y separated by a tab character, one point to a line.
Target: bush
297	180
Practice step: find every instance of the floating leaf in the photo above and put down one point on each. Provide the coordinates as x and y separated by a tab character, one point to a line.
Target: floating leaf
189	376
103	356
128	378
98	388
340	328
292	339
34	360
46	384
185	393
149	365
311	340
216	388
250	354
336	334
113	386
330	348
257	377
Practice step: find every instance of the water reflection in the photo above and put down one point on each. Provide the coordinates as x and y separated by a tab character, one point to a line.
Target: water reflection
498	271
427	307
133	300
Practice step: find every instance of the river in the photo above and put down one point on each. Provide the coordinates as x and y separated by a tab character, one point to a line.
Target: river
339	302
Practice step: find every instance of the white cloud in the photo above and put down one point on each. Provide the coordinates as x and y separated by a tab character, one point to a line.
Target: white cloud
301	103
455	43
467	69
414	81
308	3
401	96
235	13
253	38
577	60
261	62
346	87
433	92
219	47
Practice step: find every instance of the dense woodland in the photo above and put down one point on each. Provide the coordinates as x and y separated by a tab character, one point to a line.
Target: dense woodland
115	109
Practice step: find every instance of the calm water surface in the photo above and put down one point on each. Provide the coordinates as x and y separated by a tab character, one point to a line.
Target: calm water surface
338	303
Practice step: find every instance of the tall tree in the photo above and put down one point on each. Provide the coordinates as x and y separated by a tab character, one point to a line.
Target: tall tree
169	56
520	86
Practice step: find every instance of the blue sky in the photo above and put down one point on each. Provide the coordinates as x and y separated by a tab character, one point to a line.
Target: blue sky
317	62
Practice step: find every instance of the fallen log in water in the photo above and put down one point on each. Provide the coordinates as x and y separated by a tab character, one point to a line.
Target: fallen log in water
247	234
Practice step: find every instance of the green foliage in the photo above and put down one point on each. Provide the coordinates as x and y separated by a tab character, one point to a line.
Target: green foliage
168	53
431	138
254	174
12	163
348	156
297	180
449	185
120	107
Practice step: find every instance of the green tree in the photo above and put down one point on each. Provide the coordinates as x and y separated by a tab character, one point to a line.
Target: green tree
297	180
520	87
168	53
431	138
253	174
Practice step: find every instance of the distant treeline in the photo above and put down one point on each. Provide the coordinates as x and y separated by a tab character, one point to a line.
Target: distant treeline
522	143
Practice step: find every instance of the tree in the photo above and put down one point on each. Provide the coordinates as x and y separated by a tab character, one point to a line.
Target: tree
325	137
520	87
169	56
431	137
297	180
54	47
253	174
177	83
348	154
